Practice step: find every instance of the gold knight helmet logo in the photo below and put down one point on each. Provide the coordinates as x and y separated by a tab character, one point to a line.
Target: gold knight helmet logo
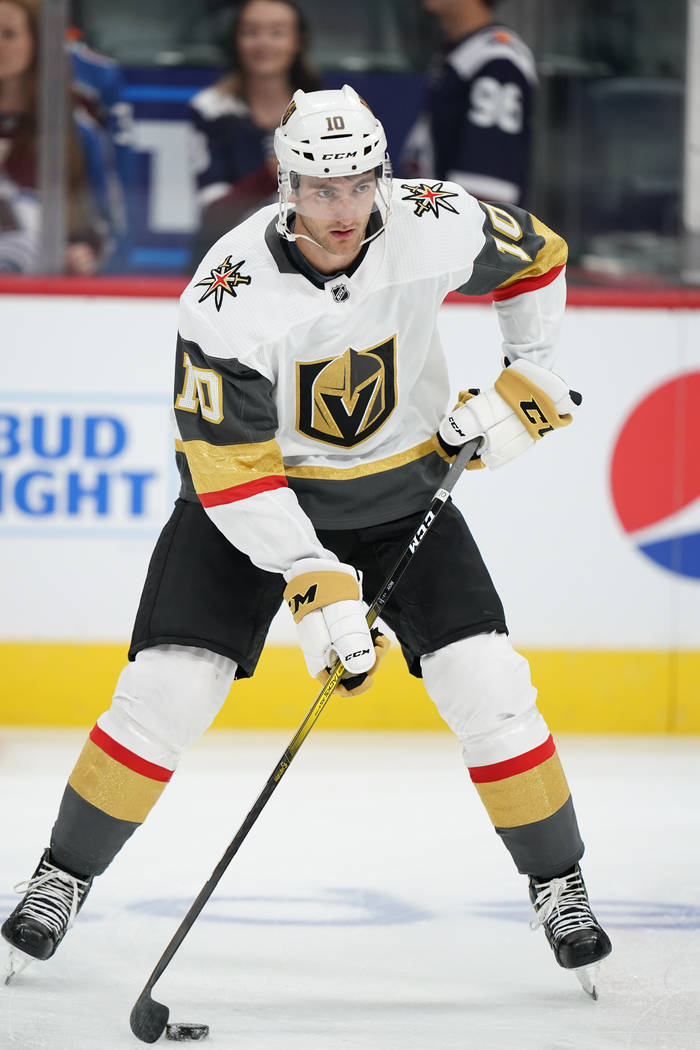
344	400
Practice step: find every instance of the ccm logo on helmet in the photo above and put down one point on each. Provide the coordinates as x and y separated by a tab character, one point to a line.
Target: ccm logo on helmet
339	156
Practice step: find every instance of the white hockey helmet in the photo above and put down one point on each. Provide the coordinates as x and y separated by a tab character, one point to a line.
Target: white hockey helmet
330	134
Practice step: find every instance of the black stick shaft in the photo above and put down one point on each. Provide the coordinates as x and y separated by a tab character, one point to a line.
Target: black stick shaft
438	502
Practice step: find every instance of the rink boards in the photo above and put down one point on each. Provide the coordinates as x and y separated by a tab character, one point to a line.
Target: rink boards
593	539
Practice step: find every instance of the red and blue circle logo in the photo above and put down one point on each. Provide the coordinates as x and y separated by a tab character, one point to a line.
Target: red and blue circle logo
655	476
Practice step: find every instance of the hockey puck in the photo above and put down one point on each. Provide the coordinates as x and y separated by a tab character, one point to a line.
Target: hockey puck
182	1032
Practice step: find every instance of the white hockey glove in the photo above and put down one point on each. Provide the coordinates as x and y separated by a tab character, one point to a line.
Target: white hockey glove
525	403
325	600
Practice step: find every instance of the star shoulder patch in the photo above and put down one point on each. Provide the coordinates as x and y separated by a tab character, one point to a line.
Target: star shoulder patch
429	199
223	280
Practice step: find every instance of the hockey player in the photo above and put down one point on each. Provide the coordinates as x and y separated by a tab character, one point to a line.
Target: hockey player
475	125
311	400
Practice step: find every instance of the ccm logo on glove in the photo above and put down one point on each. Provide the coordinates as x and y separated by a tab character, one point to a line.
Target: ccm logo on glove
325	599
355	685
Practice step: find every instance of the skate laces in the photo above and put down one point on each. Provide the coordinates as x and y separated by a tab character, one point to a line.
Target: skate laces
53	897
563	905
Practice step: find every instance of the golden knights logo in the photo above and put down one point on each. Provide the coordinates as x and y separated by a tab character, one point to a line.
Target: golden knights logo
223	279
344	400
429	198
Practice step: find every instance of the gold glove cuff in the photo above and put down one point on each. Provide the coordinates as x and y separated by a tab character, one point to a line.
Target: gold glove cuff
313	590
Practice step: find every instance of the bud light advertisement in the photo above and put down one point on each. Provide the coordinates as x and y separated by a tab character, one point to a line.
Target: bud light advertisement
84	464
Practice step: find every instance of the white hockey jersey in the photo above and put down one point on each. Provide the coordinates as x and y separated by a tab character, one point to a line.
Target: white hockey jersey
304	401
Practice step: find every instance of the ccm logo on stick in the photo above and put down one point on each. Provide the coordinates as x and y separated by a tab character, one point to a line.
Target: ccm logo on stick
420	533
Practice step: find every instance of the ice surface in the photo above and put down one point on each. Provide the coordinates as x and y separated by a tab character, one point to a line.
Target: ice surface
372	907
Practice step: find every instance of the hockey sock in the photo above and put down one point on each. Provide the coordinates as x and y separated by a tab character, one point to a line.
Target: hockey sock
529	803
109	794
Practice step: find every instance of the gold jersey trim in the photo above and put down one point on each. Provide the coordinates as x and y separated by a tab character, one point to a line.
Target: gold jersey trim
363	470
553	253
216	467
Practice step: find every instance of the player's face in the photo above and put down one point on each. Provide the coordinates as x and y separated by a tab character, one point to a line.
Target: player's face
16	44
268	38
334	213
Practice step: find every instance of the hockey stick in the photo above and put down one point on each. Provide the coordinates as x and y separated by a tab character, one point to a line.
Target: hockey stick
149	1017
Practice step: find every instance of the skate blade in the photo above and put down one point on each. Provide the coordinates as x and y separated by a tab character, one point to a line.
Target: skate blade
588	978
17	962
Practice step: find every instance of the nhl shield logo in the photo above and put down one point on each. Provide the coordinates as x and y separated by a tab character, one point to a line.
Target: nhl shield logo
340	293
344	400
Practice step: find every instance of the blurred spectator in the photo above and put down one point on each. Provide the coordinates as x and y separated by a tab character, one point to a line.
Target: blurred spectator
99	85
475	127
234	120
20	222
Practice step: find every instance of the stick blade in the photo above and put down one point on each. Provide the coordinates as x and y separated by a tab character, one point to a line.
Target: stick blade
148	1017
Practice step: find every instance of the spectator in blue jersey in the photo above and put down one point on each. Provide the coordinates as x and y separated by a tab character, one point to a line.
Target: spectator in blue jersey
475	126
234	120
20	210
98	83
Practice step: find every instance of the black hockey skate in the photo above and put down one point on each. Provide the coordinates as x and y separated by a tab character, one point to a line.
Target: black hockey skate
52	899
577	939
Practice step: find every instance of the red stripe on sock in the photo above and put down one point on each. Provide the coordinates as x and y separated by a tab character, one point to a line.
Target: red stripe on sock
238	492
512	766
128	758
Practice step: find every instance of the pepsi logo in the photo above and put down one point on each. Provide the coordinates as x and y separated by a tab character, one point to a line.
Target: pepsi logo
655	476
